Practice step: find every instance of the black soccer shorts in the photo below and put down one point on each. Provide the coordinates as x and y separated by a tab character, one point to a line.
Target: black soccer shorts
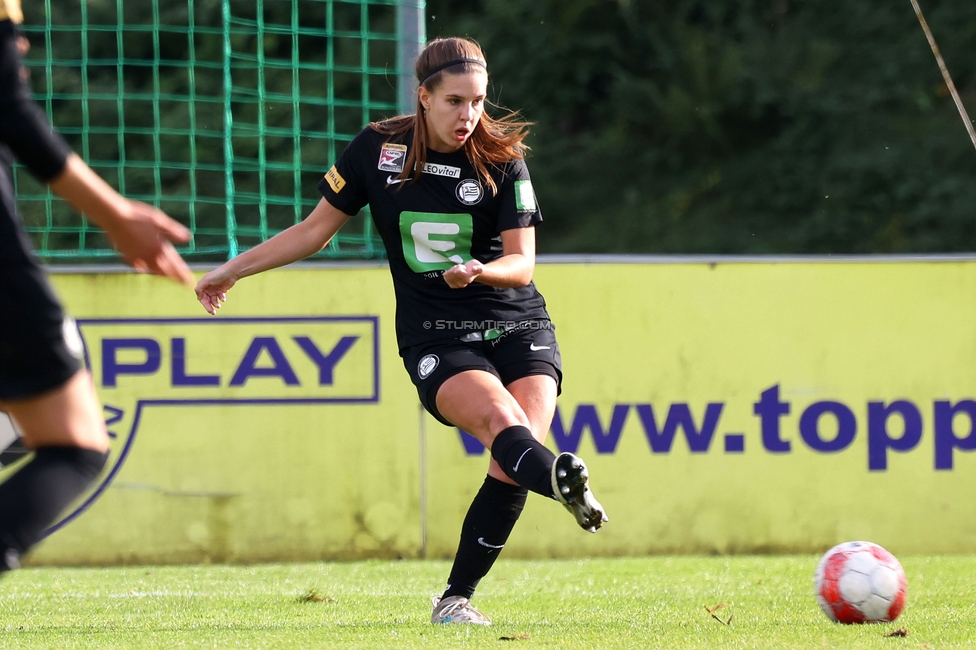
40	348
521	352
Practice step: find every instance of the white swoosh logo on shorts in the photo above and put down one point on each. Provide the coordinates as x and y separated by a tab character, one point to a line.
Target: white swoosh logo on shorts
536	348
481	540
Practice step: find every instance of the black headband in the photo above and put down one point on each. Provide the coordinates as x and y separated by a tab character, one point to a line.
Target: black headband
449	64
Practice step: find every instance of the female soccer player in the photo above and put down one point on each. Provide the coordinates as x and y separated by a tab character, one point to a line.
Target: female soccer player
42	383
451	197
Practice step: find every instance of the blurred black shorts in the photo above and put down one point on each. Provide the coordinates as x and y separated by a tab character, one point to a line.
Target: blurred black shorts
40	348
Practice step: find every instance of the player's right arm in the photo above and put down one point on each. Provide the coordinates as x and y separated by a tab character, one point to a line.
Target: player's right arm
295	243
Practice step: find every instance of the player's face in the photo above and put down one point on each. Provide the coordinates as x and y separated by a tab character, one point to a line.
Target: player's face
453	109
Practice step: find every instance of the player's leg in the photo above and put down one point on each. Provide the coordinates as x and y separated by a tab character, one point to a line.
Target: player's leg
459	387
536	395
473	401
67	416
570	475
65	429
477	402
53	402
497	506
487	409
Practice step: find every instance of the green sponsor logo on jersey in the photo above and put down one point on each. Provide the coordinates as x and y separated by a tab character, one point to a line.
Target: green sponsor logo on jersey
524	196
435	242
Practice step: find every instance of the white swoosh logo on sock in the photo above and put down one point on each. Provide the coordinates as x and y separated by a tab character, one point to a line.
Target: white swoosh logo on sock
519	461
481	540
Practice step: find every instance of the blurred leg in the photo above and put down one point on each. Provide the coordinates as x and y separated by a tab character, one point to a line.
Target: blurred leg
69	415
65	429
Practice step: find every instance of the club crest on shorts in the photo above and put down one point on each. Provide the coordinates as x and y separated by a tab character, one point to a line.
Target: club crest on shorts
469	191
427	365
392	157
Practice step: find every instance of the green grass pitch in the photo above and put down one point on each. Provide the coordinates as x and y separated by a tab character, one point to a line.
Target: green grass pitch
654	602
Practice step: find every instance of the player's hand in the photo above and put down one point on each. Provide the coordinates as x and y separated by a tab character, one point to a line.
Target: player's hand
213	287
145	238
461	275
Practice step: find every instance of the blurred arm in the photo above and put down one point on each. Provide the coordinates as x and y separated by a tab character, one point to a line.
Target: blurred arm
23	126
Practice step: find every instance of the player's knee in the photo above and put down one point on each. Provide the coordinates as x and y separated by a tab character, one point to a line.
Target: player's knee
503	416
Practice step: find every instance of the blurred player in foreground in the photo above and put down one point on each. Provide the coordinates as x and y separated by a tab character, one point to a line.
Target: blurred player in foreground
42	383
450	194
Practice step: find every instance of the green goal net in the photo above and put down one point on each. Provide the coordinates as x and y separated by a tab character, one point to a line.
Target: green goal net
223	113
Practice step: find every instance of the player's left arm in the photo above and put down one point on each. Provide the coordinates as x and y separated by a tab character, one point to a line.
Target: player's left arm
513	269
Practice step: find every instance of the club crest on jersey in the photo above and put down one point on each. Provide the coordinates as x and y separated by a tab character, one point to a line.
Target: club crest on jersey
427	365
392	157
469	191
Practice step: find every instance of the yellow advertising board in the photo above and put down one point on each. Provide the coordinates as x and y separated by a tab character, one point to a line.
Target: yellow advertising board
271	432
724	406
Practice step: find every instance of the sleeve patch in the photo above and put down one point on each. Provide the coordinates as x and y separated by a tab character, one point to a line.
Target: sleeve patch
524	196
335	181
392	157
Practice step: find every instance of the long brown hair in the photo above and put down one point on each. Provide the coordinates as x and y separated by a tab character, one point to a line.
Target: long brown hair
494	140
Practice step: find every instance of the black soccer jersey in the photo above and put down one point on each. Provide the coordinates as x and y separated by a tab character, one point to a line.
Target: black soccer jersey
445	218
25	134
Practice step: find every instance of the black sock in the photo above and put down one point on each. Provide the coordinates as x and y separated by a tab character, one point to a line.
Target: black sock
32	498
524	459
486	528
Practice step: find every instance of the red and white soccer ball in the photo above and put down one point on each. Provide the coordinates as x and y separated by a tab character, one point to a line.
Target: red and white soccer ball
860	582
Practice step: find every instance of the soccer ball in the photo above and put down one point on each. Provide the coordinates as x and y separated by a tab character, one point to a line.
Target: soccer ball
860	582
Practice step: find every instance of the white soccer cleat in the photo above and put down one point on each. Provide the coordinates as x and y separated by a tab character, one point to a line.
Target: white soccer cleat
9	561
569	484
456	609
